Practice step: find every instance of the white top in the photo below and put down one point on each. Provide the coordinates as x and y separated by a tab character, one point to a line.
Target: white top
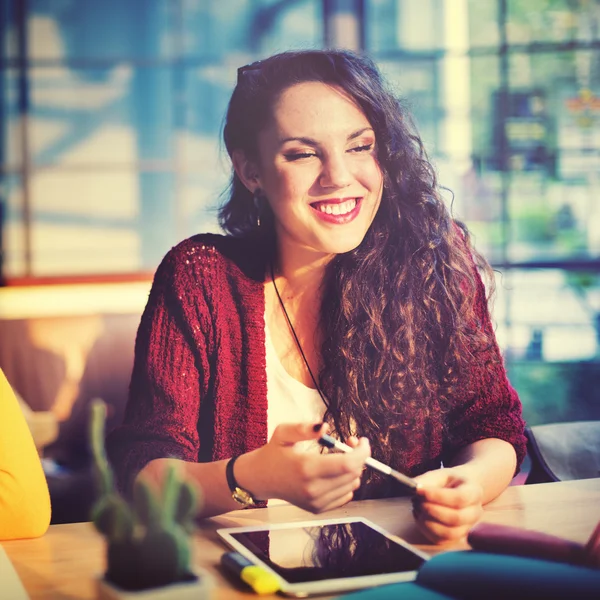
289	400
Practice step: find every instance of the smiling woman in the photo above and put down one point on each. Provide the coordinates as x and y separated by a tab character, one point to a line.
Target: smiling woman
343	298
317	168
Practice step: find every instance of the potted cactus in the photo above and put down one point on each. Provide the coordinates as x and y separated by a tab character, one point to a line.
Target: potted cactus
148	540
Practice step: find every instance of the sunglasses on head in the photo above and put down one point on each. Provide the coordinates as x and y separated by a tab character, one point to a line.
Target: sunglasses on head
243	71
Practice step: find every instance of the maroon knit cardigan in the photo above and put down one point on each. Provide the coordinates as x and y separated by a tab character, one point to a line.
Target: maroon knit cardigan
199	386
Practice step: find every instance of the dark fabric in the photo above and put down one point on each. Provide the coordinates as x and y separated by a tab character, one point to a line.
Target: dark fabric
503	539
564	451
72	494
477	576
397	591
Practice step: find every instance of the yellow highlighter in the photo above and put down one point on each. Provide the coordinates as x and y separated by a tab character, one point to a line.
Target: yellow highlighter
261	581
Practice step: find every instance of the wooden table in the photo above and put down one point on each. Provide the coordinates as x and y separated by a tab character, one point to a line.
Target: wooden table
63	564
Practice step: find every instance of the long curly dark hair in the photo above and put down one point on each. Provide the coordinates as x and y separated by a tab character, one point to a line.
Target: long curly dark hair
398	314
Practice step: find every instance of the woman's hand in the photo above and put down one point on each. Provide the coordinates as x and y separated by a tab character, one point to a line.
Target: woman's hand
313	481
447	504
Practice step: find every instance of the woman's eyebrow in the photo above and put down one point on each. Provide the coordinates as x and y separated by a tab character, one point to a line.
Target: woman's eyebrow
302	140
359	133
311	142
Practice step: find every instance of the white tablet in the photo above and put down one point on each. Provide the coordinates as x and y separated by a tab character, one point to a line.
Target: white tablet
326	556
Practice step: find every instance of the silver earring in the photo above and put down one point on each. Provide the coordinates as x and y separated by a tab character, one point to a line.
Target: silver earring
257	198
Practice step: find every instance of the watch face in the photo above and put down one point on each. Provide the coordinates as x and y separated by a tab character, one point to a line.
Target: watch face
243	497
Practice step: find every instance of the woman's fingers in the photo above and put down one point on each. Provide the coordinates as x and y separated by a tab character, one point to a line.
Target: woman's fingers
438	532
454	497
443	487
323	492
446	497
337	493
352	441
337	500
332	464
446	506
288	434
313	481
336	477
451	517
437	479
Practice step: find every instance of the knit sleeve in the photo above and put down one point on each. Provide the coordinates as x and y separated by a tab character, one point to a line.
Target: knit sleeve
491	408
170	373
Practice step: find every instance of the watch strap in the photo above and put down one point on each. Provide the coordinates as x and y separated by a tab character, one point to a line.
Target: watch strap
239	494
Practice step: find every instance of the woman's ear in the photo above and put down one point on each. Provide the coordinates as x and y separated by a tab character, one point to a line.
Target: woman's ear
246	170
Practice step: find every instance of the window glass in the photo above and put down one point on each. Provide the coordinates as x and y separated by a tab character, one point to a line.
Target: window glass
484	30
552	132
8	37
550	329
10	124
88	117
13	228
237	31
413	81
79	31
479	191
407	24
292	25
552	20
201	193
93	218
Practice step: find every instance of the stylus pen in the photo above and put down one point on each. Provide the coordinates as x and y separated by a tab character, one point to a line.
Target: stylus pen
330	442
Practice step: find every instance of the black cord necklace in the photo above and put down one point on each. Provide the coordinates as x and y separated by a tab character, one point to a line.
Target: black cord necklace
289	321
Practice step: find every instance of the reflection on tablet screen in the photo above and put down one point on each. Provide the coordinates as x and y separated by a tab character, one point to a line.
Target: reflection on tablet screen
329	552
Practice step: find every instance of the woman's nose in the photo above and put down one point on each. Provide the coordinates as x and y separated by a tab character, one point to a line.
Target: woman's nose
335	173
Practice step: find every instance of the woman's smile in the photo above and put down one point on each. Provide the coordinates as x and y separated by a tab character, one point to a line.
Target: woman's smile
318	169
338	211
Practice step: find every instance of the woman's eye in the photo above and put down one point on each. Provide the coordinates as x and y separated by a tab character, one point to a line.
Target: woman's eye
298	155
365	148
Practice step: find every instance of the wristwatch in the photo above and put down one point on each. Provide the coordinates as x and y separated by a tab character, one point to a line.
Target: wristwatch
239	494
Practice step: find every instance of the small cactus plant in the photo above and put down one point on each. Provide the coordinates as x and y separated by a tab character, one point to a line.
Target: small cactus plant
148	540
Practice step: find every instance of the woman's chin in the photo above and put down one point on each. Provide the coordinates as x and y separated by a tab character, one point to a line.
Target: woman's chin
343	246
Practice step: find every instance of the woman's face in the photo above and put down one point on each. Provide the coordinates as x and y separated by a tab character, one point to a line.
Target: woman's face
317	167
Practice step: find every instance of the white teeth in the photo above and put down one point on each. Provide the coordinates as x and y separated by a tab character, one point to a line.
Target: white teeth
338	209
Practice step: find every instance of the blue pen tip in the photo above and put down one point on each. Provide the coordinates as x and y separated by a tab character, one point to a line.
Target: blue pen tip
327	441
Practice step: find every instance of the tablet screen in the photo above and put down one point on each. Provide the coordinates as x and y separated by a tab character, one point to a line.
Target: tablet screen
328	551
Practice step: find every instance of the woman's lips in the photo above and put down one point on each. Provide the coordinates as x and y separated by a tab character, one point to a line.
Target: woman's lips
341	205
